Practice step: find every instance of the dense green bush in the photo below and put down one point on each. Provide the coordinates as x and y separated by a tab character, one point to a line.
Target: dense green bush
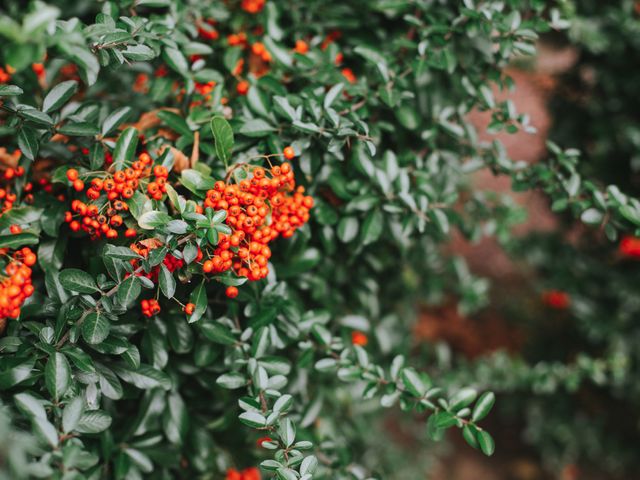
370	98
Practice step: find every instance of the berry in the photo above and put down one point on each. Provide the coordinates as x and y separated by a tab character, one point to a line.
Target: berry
359	338
289	153
242	88
150	307
72	174
231	292
301	47
189	308
556	299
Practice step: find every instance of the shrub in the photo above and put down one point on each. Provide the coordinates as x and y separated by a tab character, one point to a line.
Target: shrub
235	207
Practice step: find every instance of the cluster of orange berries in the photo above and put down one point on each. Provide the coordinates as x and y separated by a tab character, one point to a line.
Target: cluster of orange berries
118	187
251	473
259	60
248	204
16	286
207	30
630	247
95	223
39	70
253	6
150	307
5	73
8	199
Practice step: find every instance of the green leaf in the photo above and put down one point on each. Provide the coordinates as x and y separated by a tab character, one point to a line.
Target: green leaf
411	379
483	406
30	405
469	435
231	380
332	94
175	122
95	328
94	421
72	413
129	290
10	90
57	375
223	138
45	430
145	377
114	119
176	60
18	240
175	421
463	398
167	282
347	229
152	219
372	227
36	116
78	281
445	420
140	52
199	298
28	141
178	227
485	440
59	95
252	419
218	333
196	181
125	148
121	253
79	129
256	128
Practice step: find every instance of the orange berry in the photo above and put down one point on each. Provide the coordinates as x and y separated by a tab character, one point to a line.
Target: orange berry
359	338
231	292
301	47
242	88
72	174
207	267
289	152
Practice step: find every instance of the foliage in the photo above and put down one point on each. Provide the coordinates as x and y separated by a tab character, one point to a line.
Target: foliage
152	117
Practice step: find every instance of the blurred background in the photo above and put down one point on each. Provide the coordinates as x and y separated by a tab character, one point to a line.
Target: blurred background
560	339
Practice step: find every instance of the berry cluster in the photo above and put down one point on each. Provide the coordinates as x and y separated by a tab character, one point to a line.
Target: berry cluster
117	187
8	200
150	307
143	248
16	286
5	73
207	30
630	247
253	6
249	204
251	473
